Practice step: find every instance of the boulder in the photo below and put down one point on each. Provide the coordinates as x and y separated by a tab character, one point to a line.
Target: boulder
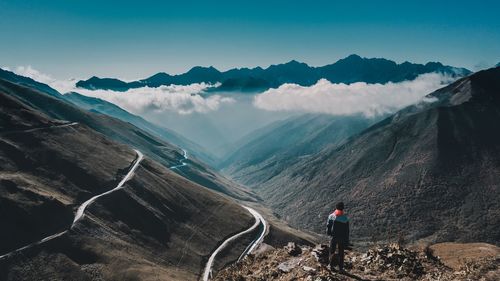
292	249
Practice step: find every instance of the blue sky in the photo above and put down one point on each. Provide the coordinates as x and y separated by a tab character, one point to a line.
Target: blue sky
133	39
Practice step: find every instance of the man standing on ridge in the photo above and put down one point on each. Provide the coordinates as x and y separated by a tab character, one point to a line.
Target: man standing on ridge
337	227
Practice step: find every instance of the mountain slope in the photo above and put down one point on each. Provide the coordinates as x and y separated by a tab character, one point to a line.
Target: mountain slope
348	70
107	108
274	148
152	146
428	172
25	81
159	225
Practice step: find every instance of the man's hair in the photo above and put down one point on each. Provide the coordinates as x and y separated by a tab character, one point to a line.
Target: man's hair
340	206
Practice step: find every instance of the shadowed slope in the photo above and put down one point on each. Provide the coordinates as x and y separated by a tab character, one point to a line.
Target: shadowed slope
430	171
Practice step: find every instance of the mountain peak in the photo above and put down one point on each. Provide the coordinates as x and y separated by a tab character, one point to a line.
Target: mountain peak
158	75
353	57
434	64
482	86
203	69
288	65
294	62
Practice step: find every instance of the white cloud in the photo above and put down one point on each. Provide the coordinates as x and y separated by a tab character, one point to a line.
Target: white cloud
176	98
357	98
62	86
181	99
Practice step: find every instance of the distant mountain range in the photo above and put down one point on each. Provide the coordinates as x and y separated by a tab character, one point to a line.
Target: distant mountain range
348	70
430	171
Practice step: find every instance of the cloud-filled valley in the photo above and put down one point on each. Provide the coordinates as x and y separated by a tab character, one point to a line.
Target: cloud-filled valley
323	97
349	99
203	118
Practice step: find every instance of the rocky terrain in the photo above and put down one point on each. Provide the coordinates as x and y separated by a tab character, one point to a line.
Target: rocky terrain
429	172
381	262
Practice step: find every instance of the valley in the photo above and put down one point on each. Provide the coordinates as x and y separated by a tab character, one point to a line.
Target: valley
97	205
249	140
89	189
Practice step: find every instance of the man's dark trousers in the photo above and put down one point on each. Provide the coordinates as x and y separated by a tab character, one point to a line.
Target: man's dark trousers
333	244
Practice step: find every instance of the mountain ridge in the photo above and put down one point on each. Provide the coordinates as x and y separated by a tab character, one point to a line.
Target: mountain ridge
347	70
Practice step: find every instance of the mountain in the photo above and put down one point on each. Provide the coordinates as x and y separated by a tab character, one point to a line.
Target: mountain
348	70
159	150
377	70
25	81
429	172
244	84
111	83
160	225
103	107
196	74
268	151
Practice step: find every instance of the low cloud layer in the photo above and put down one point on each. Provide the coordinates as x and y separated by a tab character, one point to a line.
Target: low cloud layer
323	97
173	98
181	99
357	98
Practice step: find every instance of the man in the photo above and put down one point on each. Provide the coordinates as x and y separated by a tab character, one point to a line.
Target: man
337	227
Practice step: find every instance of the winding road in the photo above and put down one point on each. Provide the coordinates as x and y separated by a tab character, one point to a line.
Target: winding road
259	220
80	213
64	125
81	209
207	273
182	161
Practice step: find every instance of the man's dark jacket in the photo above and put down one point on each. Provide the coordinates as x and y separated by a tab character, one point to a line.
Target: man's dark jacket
337	226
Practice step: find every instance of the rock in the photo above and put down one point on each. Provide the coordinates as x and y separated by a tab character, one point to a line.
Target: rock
309	269
288	265
321	253
292	249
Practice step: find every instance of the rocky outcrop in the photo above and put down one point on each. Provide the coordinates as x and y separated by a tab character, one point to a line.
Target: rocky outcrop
384	262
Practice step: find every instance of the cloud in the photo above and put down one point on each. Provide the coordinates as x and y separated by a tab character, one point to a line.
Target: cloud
62	86
357	98
181	99
176	98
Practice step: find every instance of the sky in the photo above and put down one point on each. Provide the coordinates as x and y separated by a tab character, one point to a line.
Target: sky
135	39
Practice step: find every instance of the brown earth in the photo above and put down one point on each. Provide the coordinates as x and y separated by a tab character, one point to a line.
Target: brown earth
457	255
382	262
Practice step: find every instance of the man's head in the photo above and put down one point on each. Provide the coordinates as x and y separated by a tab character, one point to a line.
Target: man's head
340	206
